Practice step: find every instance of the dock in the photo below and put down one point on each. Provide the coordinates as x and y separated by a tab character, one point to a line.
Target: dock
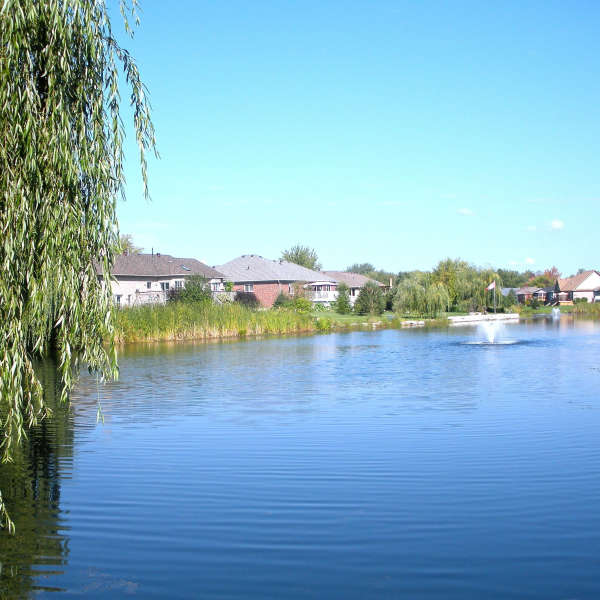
479	317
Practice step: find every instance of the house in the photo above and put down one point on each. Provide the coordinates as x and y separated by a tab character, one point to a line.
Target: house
526	293
544	295
583	285
147	278
354	281
267	278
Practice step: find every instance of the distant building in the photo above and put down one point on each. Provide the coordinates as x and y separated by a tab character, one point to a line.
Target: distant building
147	278
585	285
354	281
266	279
526	293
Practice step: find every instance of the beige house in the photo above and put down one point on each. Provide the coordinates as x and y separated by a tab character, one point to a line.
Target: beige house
585	285
354	281
148	278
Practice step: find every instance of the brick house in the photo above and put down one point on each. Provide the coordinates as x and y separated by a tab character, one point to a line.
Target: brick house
147	278
267	278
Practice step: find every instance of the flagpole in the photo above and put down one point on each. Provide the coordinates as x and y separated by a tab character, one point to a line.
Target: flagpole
494	296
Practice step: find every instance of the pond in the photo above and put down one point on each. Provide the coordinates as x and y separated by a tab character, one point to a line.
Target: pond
383	464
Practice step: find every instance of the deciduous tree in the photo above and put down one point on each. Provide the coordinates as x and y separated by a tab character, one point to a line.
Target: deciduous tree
61	172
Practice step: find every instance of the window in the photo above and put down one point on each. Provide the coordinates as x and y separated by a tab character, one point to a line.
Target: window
215	287
291	289
178	285
148	284
118	300
164	286
248	287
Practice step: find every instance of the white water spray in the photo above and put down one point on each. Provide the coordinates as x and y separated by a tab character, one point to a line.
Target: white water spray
556	313
490	330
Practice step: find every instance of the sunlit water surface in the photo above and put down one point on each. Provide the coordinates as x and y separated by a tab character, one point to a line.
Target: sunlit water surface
390	464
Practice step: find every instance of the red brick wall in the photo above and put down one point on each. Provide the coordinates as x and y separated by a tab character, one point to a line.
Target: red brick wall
266	293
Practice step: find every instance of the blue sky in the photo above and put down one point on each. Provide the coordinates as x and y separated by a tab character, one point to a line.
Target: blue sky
384	132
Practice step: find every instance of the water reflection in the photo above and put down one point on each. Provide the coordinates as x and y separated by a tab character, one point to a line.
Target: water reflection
31	487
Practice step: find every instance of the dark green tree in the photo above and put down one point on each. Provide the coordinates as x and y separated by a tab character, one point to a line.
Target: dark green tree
61	172
370	300
342	303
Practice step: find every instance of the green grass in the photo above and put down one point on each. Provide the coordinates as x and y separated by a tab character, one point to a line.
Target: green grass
183	321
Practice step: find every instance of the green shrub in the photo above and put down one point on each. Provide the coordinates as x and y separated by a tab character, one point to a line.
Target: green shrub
247	299
282	301
196	289
342	304
302	305
370	301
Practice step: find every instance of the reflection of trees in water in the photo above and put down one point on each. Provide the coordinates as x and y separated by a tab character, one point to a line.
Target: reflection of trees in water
31	488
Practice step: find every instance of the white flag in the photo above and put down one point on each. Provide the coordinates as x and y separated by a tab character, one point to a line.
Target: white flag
491	286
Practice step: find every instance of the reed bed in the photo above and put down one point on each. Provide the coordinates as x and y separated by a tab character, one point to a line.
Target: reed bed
197	321
585	309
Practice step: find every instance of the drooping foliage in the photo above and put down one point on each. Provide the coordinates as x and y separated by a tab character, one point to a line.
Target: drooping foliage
453	286
61	171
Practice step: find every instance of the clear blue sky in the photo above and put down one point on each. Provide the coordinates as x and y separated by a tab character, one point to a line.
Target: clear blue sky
384	132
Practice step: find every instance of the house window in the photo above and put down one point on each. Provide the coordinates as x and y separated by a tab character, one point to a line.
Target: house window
148	284
248	287
118	300
164	286
215	287
178	285
291	289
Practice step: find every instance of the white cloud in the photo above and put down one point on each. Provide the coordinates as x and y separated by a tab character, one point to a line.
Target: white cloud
530	261
467	212
531	227
557	224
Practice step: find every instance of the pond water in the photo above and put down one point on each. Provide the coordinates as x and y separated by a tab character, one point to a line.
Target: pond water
382	464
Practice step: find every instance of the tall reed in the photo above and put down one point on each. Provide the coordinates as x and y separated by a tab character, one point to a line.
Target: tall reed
586	309
179	321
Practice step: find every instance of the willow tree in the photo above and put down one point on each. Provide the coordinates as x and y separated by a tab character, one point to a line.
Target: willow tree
61	172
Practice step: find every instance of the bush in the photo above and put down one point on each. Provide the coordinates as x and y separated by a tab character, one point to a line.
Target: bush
228	285
196	289
580	300
247	299
302	305
282	301
370	301
342	304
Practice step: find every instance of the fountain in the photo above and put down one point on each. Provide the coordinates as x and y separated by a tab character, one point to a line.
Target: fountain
555	313
490	330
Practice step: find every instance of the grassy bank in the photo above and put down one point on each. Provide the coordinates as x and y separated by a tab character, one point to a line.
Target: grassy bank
179	321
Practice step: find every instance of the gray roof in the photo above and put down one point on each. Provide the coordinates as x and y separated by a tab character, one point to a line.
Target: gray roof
506	291
160	265
353	280
527	290
251	267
